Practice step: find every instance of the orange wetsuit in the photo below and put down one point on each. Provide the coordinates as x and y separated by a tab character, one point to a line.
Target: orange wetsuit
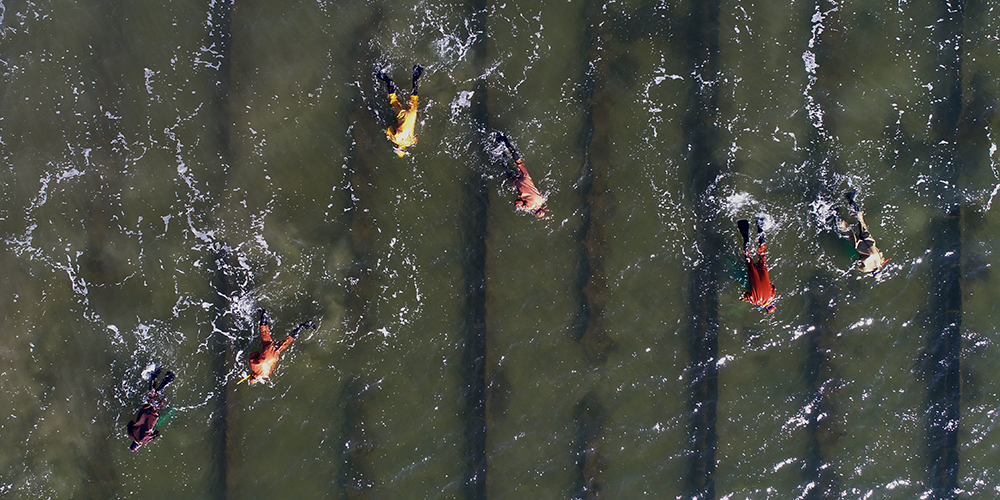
531	200
406	118
761	291
262	363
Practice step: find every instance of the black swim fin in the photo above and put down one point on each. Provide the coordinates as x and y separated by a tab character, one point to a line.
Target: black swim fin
390	86
760	231
417	71
167	379
744	226
850	200
506	142
153	376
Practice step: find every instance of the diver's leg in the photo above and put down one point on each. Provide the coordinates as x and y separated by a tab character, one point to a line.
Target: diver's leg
389	85
863	233
155	375
265	329
265	334
417	71
285	343
744	226
760	234
308	324
502	139
167	379
850	200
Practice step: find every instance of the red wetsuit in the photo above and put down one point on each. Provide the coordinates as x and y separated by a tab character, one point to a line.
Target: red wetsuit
761	291
262	363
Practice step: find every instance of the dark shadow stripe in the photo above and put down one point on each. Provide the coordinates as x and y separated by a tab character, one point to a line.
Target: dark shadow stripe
219	40
475	222
944	319
598	200
228	290
824	87
944	344
703	342
821	480
356	441
102	265
477	206
588	418
224	282
367	141
822	382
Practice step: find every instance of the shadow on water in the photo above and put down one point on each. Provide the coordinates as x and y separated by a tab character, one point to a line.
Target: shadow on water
229	282
598	200
225	280
588	416
477	204
825	83
597	210
942	366
702	135
104	266
822	382
479	405
944	345
356	441
821	377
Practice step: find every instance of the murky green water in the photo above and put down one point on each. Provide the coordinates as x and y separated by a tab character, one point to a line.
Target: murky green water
169	168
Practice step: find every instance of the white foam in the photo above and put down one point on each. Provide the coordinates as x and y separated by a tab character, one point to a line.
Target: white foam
147	373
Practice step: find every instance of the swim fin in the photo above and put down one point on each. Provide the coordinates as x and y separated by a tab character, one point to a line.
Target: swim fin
744	226
850	200
167	379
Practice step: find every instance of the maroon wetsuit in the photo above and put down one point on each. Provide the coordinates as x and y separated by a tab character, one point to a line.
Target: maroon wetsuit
142	429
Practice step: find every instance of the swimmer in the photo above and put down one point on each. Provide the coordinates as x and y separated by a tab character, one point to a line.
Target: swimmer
529	199
263	363
761	292
143	428
402	135
870	258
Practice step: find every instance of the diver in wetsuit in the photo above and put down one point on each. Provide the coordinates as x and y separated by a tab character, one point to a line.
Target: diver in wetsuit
262	363
406	117
761	292
870	258
530	199
143	428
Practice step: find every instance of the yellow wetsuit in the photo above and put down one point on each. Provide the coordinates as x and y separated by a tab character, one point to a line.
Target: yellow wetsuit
406	118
